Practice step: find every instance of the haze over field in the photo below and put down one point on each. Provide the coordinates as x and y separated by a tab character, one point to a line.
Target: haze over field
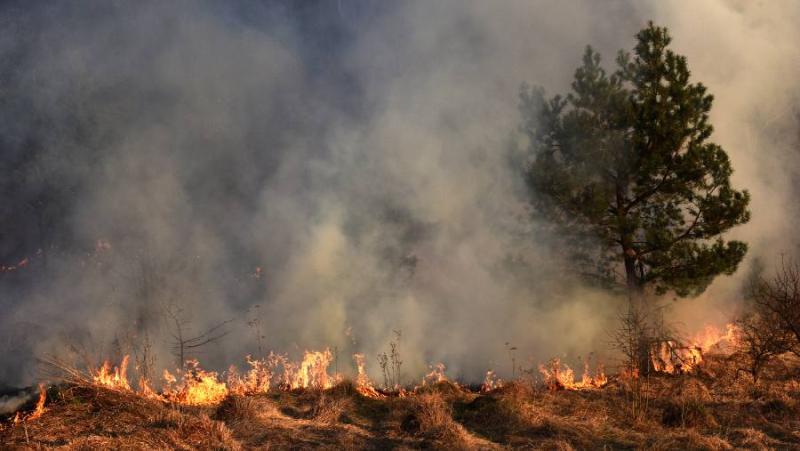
329	172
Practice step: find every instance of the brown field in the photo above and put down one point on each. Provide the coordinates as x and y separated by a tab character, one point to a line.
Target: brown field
712	408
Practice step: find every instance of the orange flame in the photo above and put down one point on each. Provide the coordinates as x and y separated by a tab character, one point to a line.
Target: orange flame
312	371
671	357
39	410
258	379
146	391
116	378
559	376
363	384
197	388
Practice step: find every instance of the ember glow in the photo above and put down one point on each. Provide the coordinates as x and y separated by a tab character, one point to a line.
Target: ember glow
491	382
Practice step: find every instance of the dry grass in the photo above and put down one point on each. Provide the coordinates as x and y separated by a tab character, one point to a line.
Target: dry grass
97	418
712	410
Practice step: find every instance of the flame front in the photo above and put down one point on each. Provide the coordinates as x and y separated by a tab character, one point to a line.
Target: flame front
39	410
672	357
363	384
559	376
312	371
116	378
197	387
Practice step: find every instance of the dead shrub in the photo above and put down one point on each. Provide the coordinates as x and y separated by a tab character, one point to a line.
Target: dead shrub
687	439
777	300
445	388
517	389
689	388
329	409
236	408
501	415
429	415
168	419
760	340
211	434
685	404
345	388
778	407
687	413
750	438
433	413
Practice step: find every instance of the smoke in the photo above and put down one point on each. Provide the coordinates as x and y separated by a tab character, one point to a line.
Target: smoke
324	175
10	403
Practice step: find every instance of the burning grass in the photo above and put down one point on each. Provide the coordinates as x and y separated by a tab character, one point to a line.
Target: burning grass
712	407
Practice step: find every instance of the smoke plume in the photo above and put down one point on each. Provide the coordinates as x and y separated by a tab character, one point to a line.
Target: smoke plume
323	174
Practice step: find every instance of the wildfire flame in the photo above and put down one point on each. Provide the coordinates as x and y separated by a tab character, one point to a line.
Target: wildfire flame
116	378
39	410
559	376
672	357
312	371
197	388
146	391
259	378
363	384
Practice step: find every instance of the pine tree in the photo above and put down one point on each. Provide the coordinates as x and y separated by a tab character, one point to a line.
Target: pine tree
623	167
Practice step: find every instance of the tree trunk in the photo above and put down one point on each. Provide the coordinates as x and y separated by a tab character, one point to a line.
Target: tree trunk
635	286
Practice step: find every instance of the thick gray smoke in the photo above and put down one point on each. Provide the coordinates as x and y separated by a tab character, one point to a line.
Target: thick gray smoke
323	175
